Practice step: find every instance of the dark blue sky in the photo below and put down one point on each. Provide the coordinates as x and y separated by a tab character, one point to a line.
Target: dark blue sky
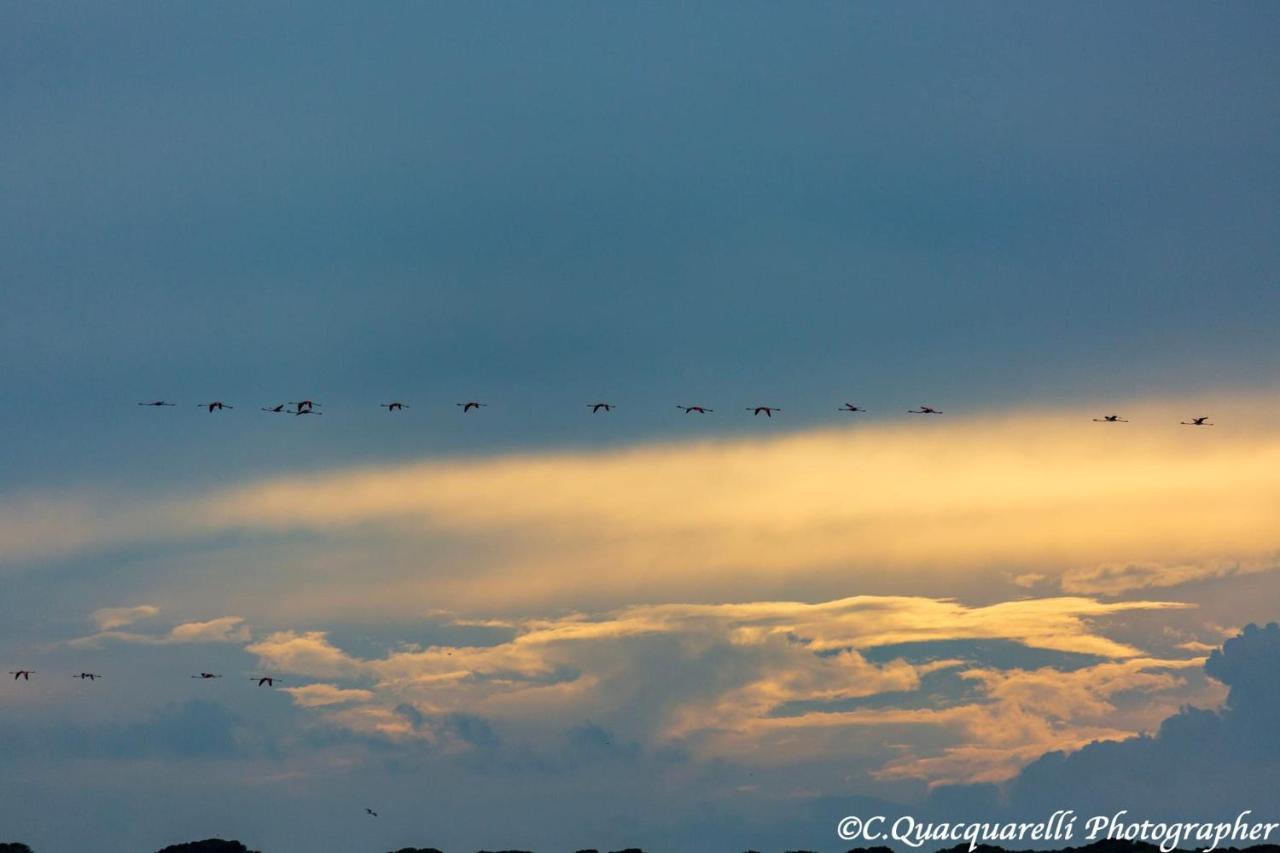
551	204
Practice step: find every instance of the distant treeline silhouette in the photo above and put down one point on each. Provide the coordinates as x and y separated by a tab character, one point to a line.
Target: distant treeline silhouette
218	845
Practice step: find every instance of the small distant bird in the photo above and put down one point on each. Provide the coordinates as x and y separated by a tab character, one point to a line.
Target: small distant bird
276	409
268	680
468	406
394	407
301	411
205	675
1110	419
605	407
768	410
91	676
305	404
699	409
371	812
158	403
924	410
24	674
215	406
850	407
1197	422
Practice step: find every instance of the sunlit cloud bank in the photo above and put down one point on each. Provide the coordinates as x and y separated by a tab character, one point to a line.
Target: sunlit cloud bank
1042	497
723	681
225	629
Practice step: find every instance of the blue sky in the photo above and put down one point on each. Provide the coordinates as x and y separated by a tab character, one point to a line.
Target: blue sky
1025	215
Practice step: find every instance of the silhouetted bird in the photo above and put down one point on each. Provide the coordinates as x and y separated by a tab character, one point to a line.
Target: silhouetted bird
596	407
214	406
276	409
924	410
1110	419
24	674
468	406
850	407
370	812
158	403
206	675
304	412
268	680
305	404
394	407
768	410
91	676
699	409
1197	422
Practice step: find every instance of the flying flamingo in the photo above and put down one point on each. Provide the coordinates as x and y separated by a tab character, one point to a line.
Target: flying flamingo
768	410
606	407
24	674
91	676
850	407
924	410
275	409
305	404
371	811
268	680
301	411
1197	422
215	406
394	407
468	406
206	675
699	409
1110	419
158	403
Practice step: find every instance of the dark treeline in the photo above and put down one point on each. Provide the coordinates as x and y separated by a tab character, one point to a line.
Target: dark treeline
218	845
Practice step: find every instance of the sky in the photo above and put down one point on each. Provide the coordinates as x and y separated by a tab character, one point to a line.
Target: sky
534	626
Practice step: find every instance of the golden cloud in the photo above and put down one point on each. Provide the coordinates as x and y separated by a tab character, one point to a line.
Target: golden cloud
1100	508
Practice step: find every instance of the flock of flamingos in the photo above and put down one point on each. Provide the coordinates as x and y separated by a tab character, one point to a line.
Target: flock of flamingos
311	407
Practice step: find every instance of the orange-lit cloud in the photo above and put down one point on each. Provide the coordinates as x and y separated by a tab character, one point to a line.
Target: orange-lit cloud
1043	497
726	670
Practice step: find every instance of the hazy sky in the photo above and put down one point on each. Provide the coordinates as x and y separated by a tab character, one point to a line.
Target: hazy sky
535	626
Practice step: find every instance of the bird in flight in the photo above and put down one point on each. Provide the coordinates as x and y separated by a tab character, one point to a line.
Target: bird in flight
302	411
275	409
768	410
268	680
394	407
468	406
91	676
206	675
598	407
371	812
24	674
215	405
158	403
924	410
1110	419
304	404
1197	422
699	409
850	407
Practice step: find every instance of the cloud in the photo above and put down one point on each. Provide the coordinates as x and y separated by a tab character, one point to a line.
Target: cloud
889	502
1117	578
715	679
225	629
1197	762
107	618
320	695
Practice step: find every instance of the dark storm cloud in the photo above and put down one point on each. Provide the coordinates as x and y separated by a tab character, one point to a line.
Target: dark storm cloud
1200	763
